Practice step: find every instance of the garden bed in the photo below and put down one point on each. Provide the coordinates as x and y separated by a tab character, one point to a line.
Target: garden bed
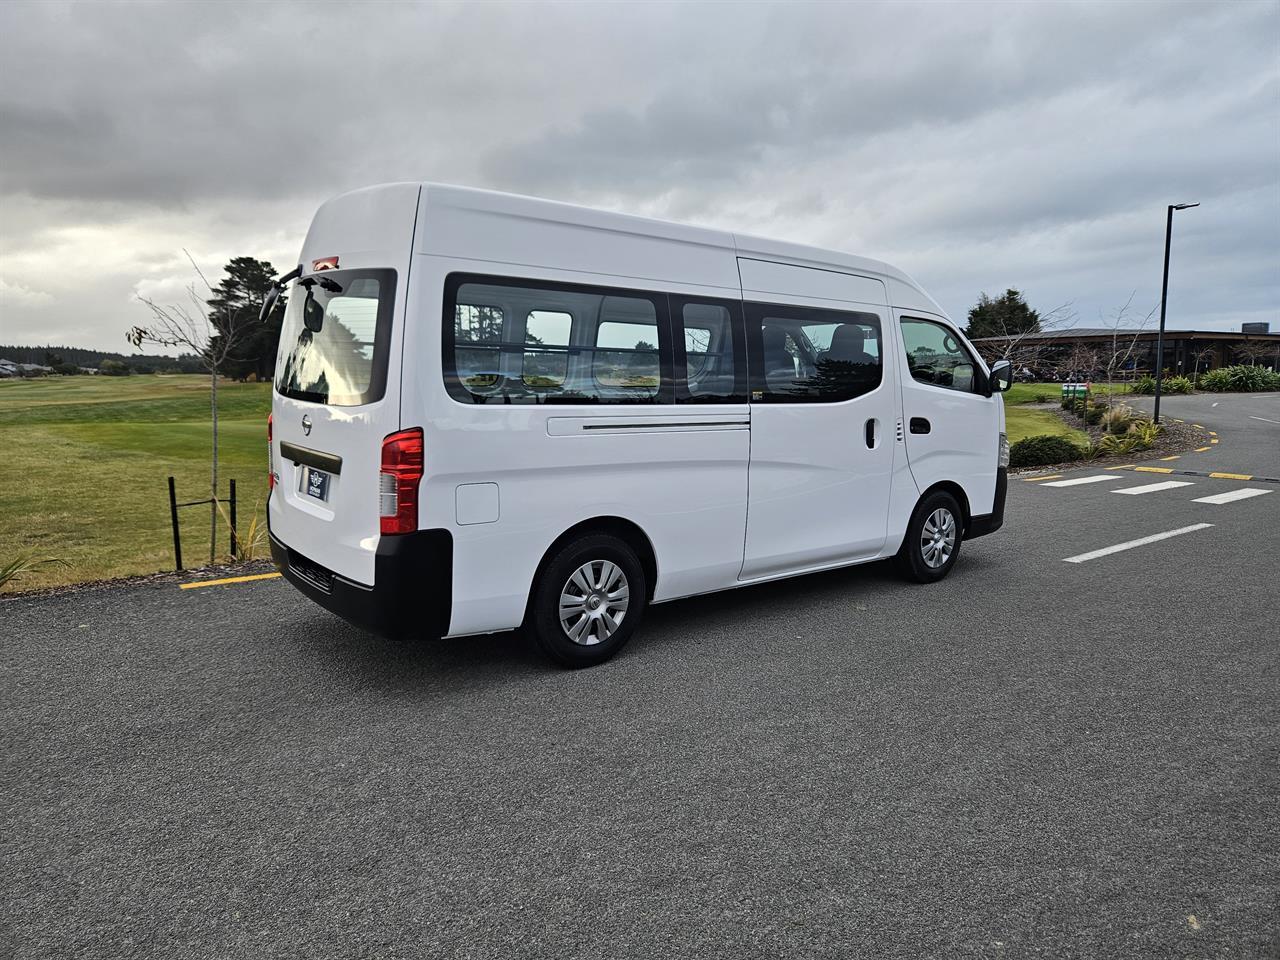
1175	438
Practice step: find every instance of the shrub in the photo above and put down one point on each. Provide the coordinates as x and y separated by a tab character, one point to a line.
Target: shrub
10	572
113	368
1110	443
1146	384
1240	378
1093	413
1145	431
1043	398
1117	419
1037	451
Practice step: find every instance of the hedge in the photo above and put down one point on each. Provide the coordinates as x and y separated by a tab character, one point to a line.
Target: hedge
1240	378
1037	451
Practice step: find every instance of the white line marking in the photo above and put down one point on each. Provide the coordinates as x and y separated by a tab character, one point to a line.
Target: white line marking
1155	487
1264	419
1129	545
1244	493
1214	404
1076	481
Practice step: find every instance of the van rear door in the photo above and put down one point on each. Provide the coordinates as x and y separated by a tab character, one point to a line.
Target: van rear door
337	387
330	413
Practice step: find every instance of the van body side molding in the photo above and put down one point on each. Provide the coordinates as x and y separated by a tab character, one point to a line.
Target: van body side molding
327	462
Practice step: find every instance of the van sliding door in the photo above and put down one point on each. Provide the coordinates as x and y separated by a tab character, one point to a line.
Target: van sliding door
824	408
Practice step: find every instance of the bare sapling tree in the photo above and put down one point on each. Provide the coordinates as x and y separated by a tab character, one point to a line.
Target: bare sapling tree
1202	357
213	338
1254	350
1028	348
1122	344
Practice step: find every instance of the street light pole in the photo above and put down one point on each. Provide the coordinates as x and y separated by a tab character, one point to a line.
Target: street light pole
1164	296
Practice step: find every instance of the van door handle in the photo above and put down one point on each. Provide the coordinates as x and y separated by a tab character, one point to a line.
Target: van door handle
871	434
920	425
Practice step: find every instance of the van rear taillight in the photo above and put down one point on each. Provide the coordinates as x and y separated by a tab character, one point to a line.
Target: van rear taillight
402	462
271	458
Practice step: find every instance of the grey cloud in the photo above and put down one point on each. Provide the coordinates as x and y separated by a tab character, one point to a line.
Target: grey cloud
979	146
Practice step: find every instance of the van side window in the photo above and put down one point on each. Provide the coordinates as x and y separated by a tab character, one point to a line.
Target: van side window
478	332
712	368
806	355
546	368
531	341
626	342
936	356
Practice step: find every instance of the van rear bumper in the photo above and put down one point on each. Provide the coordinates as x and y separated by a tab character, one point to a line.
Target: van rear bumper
412	592
983	524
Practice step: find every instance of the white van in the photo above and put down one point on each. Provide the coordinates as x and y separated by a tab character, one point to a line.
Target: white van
493	411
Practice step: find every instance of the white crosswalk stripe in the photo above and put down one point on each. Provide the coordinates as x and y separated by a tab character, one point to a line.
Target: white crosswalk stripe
1244	493
1130	544
1077	481
1155	487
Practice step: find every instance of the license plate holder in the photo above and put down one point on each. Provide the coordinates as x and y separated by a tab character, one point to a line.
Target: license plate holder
315	484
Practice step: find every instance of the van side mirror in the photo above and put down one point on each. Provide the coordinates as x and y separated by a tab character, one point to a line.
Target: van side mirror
1001	376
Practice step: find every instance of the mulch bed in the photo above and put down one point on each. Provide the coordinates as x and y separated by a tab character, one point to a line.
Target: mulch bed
1175	438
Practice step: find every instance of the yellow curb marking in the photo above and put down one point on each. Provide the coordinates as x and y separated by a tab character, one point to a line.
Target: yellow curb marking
1212	434
1174	457
1198	426
215	583
1201	449
1154	469
1232	476
1214	440
1047	476
1123	466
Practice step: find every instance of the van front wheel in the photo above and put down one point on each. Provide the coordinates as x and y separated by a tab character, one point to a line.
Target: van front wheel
933	539
588	601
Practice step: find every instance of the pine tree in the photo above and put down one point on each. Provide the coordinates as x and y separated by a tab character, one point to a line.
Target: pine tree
236	300
1005	316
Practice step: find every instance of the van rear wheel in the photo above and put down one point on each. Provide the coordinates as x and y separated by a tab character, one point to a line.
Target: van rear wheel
932	544
588	601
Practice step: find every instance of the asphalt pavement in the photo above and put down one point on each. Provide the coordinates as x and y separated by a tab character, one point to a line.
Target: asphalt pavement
1033	758
1247	426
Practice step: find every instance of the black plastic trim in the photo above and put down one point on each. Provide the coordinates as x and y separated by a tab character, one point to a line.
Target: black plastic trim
986	523
328	462
412	592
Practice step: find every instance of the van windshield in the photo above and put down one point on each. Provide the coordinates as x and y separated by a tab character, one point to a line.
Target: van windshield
333	344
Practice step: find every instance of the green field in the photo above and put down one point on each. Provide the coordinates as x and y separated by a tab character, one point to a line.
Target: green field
84	463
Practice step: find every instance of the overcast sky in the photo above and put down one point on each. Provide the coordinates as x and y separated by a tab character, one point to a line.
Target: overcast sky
977	147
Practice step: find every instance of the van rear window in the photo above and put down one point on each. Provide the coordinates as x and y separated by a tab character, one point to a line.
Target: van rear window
333	344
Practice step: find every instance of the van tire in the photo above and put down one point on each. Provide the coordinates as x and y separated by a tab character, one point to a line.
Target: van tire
916	559
607	565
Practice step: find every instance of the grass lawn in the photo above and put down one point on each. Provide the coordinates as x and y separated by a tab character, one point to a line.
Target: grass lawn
1029	392
84	467
1021	423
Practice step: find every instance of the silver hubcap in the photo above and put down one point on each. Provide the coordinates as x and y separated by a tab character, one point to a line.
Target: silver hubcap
593	602
938	538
